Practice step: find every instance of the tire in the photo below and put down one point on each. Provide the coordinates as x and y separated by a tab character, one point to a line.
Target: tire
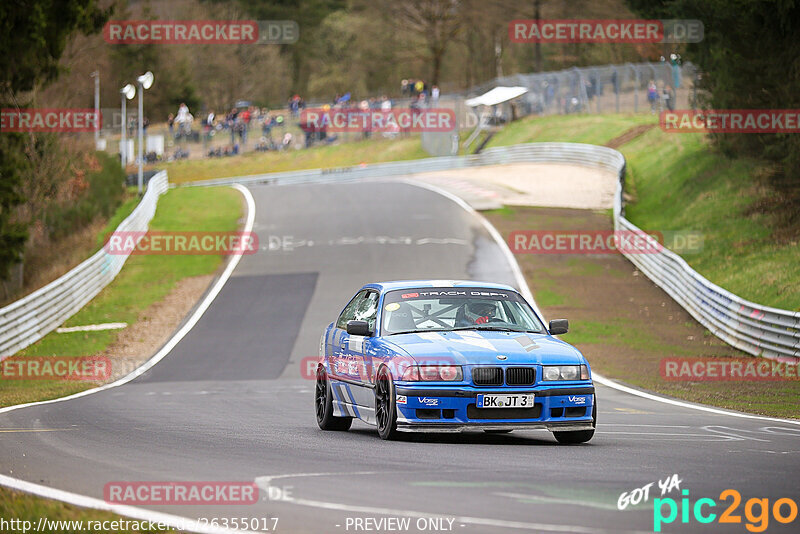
323	405
578	436
385	406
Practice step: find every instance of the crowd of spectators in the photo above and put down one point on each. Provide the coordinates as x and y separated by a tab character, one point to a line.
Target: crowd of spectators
419	89
242	120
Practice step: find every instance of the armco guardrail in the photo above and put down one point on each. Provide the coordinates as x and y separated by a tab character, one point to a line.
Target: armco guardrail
755	329
29	319
534	152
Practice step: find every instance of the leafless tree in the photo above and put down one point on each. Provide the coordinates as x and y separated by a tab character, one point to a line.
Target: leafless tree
435	22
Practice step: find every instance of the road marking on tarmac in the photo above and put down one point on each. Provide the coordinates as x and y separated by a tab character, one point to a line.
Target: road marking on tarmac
91	328
645	426
633	411
539	499
264	482
12	430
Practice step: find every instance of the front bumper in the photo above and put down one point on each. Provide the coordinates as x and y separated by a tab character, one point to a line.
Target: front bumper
454	409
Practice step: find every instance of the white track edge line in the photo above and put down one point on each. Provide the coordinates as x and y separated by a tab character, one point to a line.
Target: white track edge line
263	482
131	511
174	521
526	292
178	336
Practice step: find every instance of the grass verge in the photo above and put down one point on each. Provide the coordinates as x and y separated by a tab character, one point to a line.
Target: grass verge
27	510
624	324
592	129
144	280
376	150
679	184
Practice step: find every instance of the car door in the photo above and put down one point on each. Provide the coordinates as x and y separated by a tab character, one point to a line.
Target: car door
360	347
355	360
342	365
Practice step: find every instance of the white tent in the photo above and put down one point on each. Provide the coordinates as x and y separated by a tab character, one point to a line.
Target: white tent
498	95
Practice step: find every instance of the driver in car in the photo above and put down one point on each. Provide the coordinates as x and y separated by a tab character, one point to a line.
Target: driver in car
480	312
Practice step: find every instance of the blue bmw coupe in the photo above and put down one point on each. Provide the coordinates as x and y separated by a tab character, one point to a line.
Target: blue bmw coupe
445	356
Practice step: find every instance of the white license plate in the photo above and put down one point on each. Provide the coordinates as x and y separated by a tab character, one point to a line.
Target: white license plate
505	401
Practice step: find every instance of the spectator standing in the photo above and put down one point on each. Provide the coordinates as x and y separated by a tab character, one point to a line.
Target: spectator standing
668	98
435	93
652	95
294	105
364	107
243	121
183	119
266	124
675	61
208	125
230	122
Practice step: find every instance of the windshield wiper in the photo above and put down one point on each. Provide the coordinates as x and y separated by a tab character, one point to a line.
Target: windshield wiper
488	327
419	330
473	327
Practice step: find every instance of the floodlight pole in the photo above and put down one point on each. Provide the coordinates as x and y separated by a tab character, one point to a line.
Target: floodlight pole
144	81
96	76
141	136
123	148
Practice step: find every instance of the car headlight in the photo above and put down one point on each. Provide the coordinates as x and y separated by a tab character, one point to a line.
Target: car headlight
565	372
433	373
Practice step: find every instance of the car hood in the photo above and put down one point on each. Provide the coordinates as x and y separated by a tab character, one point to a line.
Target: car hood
466	347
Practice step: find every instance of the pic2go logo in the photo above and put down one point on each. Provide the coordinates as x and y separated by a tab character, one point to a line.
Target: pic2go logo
756	511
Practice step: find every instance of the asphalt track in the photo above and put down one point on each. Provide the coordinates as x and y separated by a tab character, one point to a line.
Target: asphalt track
229	403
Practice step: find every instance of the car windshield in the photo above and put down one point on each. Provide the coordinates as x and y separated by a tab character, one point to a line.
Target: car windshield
444	309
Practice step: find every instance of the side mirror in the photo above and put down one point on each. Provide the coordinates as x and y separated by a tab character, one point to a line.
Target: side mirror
358	328
558	326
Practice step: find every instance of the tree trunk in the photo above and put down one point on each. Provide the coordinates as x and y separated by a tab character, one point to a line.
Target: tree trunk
537	4
437	67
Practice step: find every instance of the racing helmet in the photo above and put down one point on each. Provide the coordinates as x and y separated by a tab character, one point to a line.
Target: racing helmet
480	312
